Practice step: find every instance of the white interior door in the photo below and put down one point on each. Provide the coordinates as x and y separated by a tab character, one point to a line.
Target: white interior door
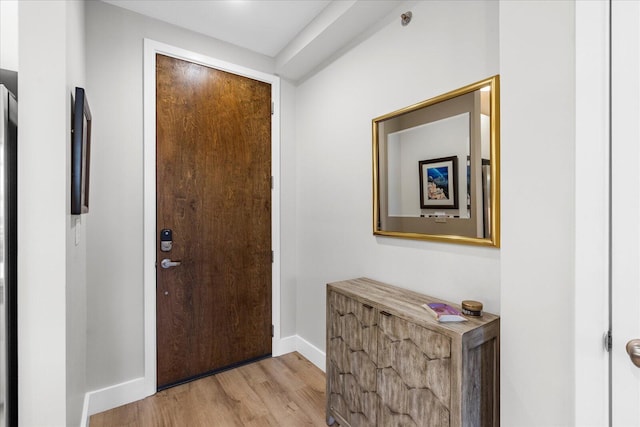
625	165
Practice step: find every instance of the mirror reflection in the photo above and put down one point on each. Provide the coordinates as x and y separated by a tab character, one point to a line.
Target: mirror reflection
436	168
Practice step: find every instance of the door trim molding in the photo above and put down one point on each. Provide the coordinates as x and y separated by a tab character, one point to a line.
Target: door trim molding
591	240
151	48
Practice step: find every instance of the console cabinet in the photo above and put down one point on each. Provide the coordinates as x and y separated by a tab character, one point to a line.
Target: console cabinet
390	363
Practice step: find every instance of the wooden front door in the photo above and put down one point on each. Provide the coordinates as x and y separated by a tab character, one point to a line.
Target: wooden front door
213	168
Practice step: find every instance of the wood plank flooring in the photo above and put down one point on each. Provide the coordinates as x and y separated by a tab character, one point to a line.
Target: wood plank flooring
281	391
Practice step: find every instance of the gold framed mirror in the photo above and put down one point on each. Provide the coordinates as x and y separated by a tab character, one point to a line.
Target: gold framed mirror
436	168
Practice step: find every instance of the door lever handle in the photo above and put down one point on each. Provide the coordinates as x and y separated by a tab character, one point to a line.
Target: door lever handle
167	263
633	348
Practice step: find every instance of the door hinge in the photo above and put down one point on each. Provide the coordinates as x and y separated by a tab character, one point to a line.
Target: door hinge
273	107
272	331
608	341
272	257
272	182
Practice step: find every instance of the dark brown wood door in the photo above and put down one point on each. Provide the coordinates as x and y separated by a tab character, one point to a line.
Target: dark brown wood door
214	192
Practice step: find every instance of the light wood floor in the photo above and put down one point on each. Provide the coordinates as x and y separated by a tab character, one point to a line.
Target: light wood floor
281	391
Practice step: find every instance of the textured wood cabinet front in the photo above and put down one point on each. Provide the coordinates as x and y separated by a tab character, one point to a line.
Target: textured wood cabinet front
352	357
414	374
389	363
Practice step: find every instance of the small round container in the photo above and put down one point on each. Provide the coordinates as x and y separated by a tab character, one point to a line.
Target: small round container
472	308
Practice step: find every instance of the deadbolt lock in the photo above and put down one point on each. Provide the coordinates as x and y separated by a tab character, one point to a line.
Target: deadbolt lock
166	240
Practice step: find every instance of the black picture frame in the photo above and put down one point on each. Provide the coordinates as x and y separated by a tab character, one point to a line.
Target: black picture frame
438	179
80	153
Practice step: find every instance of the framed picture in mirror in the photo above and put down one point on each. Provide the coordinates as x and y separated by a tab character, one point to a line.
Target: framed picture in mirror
438	183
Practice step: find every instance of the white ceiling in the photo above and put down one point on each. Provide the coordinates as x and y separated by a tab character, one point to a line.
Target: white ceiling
299	34
261	26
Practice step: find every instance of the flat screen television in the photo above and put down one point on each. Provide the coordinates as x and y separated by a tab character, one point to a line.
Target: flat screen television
80	153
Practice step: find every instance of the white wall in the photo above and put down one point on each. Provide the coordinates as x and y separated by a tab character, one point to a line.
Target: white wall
51	270
538	213
446	46
76	297
115	229
553	367
9	34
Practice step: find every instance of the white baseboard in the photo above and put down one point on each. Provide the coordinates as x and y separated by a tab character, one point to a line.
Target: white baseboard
311	352
284	345
112	397
297	343
130	391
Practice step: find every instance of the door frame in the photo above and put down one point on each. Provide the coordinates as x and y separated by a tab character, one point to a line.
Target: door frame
151	48
592	245
625	376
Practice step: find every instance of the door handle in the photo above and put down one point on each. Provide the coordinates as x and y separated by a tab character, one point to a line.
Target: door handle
633	348
167	263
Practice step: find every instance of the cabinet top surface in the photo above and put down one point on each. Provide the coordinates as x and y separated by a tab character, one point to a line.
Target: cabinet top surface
407	303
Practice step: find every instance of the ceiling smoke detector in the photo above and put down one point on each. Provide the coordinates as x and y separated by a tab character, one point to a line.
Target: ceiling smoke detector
405	18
